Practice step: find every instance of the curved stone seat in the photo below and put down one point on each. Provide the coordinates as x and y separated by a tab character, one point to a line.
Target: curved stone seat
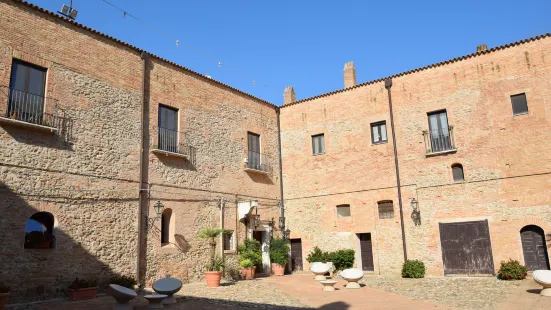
328	285
155	301
167	286
352	275
543	278
319	269
122	295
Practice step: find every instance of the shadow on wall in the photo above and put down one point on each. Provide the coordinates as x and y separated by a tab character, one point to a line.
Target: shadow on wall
46	269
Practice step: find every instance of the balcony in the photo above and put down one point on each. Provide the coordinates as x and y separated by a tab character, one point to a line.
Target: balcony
171	143
258	163
439	142
23	109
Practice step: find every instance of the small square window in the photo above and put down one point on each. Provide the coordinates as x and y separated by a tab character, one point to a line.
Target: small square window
318	144
228	240
386	209
519	103
343	211
378	133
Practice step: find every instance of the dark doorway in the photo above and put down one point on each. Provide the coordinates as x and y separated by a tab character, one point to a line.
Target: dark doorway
296	254
258	235
534	248
366	251
466	248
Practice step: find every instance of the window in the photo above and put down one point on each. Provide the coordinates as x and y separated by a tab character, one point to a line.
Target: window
253	142
228	240
318	144
343	211
457	170
39	231
439	131
168	129
166	226
386	209
378	133
27	88
520	106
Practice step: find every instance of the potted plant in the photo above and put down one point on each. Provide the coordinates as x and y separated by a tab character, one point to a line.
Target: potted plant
213	274
279	256
122	280
4	295
250	256
82	289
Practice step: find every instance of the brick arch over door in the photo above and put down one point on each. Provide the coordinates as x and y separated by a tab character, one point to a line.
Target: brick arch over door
534	247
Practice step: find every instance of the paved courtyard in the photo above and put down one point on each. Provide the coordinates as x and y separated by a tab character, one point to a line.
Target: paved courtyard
302	292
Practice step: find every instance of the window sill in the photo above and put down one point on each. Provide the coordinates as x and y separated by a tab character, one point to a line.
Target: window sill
520	114
378	143
441	153
318	154
256	171
230	252
17	123
167	153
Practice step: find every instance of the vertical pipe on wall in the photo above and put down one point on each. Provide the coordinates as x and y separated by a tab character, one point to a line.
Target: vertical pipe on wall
388	85
143	199
282	211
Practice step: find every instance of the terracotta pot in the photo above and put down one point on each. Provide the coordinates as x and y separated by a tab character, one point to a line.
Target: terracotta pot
83	293
213	278
248	273
4	299
278	269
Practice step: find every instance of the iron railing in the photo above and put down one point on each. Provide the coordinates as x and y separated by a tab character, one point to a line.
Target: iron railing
171	141
29	108
258	161
438	140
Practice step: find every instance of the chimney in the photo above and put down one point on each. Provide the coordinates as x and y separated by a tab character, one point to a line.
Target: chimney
349	75
482	48
289	95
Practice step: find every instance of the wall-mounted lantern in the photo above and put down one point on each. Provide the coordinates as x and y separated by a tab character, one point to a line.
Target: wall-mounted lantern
256	221
158	213
415	205
282	223
415	213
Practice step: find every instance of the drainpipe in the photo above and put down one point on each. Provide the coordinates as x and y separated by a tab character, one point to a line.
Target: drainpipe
282	205
388	85
143	199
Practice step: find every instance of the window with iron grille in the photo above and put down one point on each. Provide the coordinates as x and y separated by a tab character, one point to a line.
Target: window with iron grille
228	240
26	94
386	209
168	129
318	144
343	211
457	170
378	133
519	103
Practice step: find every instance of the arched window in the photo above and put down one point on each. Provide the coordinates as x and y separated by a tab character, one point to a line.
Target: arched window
39	231
457	170
167	226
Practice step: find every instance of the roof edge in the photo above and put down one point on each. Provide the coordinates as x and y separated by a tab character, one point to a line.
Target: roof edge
438	64
72	22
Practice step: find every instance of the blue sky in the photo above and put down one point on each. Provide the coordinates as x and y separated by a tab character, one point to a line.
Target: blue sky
305	43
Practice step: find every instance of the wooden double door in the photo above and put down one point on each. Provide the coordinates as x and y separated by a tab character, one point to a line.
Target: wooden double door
534	248
366	251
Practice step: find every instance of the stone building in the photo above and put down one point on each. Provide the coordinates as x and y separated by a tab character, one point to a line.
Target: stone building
473	156
96	135
73	103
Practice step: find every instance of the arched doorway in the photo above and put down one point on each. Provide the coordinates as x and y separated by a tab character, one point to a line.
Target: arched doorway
39	231
534	247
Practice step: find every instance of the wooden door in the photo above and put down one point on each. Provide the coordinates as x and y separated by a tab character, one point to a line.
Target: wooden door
534	248
296	254
366	251
466	248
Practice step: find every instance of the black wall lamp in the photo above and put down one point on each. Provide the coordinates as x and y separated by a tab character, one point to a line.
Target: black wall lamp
158	213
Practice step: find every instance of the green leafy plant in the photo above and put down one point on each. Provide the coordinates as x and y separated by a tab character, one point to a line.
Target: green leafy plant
342	259
413	269
216	265
317	255
211	234
4	289
81	283
246	263
122	280
512	270
250	250
279	251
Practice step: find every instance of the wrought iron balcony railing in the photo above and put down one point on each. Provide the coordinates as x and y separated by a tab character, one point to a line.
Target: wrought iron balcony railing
171	142
439	141
258	162
20	106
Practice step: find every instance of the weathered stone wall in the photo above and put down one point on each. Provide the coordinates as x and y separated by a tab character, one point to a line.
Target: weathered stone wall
505	157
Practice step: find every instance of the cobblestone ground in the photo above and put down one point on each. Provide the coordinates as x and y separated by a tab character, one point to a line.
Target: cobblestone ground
460	292
254	294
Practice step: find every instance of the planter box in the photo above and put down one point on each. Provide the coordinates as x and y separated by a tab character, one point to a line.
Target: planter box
83	293
4	299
